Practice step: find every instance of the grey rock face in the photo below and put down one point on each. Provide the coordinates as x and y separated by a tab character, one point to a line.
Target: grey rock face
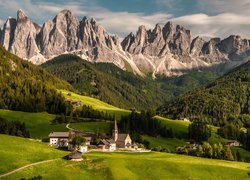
172	51
8	33
24	38
60	35
166	50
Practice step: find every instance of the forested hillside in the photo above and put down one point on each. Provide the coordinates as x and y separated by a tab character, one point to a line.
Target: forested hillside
121	88
226	99
27	87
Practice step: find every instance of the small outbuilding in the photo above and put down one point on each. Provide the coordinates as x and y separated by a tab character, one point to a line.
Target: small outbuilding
75	156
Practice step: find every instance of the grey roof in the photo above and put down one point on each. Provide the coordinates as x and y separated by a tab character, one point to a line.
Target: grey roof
107	141
59	135
75	155
122	137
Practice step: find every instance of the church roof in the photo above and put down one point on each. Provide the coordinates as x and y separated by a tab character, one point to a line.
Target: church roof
122	137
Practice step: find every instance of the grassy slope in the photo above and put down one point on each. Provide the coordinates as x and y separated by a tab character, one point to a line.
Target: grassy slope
102	127
38	124
180	127
16	152
138	166
168	143
95	103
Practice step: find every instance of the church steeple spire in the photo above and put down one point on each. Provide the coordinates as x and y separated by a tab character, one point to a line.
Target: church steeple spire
115	132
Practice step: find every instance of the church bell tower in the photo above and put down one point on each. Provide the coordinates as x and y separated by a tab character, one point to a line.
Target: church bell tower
115	132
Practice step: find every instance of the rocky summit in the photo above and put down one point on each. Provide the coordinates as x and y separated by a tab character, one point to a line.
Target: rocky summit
169	50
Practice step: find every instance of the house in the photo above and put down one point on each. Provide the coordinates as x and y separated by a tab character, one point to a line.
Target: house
234	143
83	149
74	102
88	136
185	119
107	145
75	156
122	140
59	139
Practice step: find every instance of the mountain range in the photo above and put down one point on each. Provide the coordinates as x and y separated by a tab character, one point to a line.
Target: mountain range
169	50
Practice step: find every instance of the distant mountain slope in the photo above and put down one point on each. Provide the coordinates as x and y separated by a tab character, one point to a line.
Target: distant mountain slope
227	96
27	87
121	88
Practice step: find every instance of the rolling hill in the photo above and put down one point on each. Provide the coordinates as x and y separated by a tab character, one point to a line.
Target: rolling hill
228	96
27	87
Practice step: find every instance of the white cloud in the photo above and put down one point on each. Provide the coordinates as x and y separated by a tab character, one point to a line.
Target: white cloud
222	6
220	25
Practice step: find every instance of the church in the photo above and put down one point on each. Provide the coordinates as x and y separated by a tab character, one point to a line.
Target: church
117	141
122	140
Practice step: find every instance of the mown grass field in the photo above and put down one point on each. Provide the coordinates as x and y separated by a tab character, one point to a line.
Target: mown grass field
179	127
95	103
38	124
16	152
168	143
101	127
99	165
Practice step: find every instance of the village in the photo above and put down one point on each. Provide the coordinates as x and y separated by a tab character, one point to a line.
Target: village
117	141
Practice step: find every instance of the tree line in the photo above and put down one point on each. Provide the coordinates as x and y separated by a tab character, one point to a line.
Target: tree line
13	128
206	150
144	123
80	115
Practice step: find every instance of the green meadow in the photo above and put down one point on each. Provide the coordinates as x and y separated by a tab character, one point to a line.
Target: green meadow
180	127
101	127
16	152
122	165
38	124
95	103
169	143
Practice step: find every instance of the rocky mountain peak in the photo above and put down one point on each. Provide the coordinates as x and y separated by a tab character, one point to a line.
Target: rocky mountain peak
166	50
21	15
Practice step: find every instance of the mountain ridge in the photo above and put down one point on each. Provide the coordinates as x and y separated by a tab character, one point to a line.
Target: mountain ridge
224	100
168	50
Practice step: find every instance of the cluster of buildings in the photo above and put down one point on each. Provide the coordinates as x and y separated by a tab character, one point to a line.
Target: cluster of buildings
62	139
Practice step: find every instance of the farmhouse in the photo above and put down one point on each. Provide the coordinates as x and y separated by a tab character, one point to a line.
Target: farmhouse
59	139
233	143
107	145
74	102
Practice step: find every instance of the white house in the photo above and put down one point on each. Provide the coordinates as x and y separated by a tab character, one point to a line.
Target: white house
59	139
83	149
107	145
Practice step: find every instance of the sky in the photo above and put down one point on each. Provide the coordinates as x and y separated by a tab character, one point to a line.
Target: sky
207	18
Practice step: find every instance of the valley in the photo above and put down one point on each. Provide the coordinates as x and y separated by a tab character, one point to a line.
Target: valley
78	101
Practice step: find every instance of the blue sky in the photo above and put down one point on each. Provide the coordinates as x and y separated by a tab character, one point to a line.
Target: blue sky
210	18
